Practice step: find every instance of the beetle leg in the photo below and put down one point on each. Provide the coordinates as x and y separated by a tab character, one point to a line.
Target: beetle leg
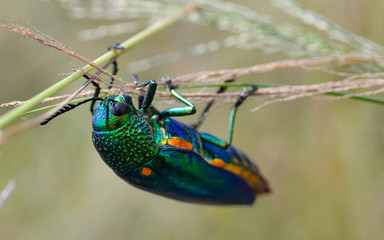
209	105
114	63
146	102
111	80
177	111
213	140
248	91
97	86
116	46
114	71
95	95
135	79
222	143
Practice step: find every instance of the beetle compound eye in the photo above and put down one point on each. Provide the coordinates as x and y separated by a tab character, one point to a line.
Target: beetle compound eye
120	109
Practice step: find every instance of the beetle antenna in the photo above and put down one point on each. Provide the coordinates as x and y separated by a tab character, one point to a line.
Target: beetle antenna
69	107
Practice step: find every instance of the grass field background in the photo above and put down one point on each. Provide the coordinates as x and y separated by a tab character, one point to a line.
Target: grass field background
323	159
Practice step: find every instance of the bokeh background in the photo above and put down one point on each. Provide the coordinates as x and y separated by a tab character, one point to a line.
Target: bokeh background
323	159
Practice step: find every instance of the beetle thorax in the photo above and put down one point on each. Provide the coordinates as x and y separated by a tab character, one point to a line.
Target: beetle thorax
127	147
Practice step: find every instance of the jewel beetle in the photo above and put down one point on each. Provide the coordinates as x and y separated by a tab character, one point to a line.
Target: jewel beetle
154	152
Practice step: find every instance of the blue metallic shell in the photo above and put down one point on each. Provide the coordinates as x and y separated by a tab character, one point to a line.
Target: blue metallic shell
184	175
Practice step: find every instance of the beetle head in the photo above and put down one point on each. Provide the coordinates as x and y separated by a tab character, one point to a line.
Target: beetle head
113	112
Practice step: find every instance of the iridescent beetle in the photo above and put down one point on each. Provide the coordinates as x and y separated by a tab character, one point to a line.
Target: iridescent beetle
152	151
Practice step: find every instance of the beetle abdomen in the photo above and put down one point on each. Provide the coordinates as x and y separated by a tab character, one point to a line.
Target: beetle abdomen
238	163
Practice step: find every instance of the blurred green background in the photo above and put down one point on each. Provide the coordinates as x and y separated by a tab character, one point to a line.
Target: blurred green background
323	159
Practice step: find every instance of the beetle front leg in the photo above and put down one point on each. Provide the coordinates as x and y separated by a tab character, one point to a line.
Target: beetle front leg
114	63
177	111
95	95
146	102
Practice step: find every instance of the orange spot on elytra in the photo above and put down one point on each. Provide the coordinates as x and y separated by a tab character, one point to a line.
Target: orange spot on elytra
254	179
228	167
146	171
245	174
217	162
177	142
236	170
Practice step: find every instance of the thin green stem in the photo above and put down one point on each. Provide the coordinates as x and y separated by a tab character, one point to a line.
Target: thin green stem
12	115
361	98
227	85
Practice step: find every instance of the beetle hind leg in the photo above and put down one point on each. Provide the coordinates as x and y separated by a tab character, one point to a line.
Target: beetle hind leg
207	108
221	143
247	91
